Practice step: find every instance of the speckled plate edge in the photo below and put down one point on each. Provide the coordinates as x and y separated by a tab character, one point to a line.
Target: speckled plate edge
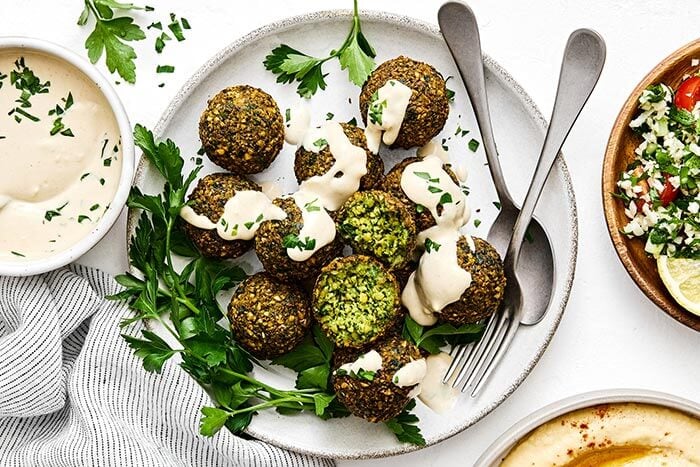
503	445
427	28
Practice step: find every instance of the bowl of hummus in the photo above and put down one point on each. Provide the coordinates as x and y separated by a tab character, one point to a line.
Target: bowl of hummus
606	428
66	156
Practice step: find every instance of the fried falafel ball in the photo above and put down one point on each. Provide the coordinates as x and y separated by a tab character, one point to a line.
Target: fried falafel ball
308	163
378	399
428	107
485	294
208	199
242	129
269	246
376	223
356	301
268	317
391	183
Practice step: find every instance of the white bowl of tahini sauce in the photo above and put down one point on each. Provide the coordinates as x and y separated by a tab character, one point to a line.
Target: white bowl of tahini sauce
66	156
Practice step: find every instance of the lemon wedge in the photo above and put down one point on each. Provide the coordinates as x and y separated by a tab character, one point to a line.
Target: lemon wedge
681	277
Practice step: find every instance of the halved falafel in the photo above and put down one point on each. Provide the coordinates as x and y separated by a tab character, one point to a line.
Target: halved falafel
378	399
356	300
271	250
376	223
308	163
208	199
485	294
391	183
428	107
242	129
268	318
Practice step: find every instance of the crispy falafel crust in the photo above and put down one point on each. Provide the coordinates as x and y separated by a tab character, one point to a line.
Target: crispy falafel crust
208	199
485	294
428	107
242	129
269	246
268	318
380	399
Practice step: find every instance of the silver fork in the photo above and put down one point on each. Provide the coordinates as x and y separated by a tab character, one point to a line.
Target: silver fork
582	64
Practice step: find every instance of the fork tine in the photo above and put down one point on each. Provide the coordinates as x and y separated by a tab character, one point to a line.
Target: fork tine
493	362
476	352
486	349
488	354
457	355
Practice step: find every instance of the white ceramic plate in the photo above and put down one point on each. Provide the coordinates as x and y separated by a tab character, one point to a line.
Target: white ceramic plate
519	129
503	445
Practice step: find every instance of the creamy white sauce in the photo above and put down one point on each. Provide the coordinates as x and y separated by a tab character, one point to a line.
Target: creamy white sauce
271	189
438	280
69	180
385	114
343	178
241	218
438	396
318	226
432	148
297	121
410	374
371	361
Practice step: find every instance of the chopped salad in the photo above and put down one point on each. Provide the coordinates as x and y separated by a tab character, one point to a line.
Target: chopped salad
660	187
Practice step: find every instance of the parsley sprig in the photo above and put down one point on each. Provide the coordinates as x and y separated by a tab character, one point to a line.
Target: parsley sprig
185	303
432	339
355	54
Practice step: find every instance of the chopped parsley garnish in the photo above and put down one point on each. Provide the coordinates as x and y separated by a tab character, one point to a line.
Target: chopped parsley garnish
84	176
420	208
48	215
102	181
329	116
107	162
435	189
311	206
58	111
24	80
321	143
94	207
249	225
287	115
82	218
355	54
259	218
446	198
165	69
497	204
160	41
352	121
292	241
376	109
17	253
176	27
473	145
431	245
461	132
158	26
477	222
450	92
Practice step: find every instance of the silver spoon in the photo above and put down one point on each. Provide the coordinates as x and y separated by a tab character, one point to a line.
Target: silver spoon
461	32
581	66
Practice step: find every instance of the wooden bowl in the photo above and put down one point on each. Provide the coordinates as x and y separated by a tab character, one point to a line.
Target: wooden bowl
619	153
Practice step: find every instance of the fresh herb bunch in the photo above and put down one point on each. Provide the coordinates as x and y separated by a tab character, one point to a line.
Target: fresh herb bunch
185	304
355	54
432	339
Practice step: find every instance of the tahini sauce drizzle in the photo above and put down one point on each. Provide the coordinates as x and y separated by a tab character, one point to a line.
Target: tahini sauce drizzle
410	374
241	218
40	173
330	190
297	121
438	396
392	101
438	280
370	361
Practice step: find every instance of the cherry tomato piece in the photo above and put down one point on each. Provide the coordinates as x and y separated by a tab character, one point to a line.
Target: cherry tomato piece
688	93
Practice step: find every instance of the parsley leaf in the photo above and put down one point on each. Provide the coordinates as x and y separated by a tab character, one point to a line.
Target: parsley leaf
404	426
355	55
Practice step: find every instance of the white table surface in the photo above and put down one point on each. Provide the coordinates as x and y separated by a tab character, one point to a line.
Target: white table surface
611	335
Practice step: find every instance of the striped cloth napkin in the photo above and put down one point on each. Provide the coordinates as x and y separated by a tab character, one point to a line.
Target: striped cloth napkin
72	394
